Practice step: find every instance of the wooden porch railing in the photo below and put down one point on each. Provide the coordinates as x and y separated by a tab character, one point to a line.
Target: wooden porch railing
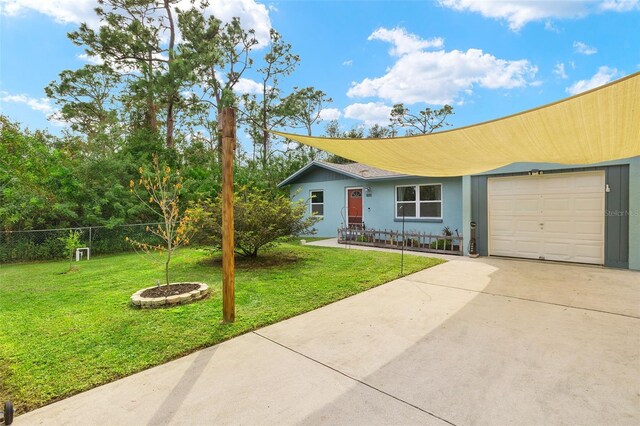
413	241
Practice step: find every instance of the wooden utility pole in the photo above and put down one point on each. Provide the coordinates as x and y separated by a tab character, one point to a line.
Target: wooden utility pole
228	121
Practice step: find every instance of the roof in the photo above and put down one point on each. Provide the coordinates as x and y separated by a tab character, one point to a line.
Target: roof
595	126
352	170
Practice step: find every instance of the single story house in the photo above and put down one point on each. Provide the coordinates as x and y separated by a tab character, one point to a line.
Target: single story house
583	214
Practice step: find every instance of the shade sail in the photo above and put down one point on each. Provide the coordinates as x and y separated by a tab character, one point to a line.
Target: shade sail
599	125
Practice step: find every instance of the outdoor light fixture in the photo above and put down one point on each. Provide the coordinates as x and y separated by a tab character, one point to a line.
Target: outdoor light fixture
535	172
367	191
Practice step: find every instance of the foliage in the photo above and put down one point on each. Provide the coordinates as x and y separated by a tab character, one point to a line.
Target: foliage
425	121
306	106
270	109
219	55
37	183
71	243
444	243
87	101
87	334
260	218
159	190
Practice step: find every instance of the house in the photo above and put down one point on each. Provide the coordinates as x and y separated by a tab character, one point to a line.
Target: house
571	213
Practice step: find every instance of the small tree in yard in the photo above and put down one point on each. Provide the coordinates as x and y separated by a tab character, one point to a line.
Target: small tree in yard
71	243
261	219
159	189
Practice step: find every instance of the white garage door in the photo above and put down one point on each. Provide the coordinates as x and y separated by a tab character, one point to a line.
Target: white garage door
553	217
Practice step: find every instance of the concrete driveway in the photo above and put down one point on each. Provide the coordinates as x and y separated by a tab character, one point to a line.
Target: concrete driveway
485	341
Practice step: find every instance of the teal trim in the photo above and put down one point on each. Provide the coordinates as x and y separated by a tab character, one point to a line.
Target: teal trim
634	214
616	247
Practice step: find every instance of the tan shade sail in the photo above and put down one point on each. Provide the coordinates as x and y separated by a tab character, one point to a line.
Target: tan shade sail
600	125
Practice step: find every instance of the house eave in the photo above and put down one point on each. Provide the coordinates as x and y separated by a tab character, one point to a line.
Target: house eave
327	166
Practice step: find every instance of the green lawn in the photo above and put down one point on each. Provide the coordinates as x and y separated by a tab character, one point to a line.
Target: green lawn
64	333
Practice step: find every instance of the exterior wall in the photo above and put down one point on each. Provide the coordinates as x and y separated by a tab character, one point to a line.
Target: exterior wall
379	209
634	214
379	205
334	202
622	223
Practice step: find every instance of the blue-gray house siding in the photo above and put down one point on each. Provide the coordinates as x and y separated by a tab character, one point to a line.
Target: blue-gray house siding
378	203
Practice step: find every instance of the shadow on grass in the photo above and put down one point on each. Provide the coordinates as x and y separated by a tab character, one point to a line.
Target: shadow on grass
262	261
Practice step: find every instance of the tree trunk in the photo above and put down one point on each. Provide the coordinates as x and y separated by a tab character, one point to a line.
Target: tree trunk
171	100
151	113
166	267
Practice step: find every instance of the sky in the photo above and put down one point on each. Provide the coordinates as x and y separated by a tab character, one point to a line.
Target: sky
486	58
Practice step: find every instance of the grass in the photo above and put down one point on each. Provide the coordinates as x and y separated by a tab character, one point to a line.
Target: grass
62	333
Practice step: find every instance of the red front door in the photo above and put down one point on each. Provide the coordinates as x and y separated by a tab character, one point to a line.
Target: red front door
354	207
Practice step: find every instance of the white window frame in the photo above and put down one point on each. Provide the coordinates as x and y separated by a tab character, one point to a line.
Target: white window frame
417	202
311	203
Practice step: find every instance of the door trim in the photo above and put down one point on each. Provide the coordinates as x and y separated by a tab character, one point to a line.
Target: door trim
346	202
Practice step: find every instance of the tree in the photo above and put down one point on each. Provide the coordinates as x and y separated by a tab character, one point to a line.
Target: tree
71	243
130	42
270	109
37	180
219	55
261	218
332	130
87	100
161	195
306	106
426	121
379	132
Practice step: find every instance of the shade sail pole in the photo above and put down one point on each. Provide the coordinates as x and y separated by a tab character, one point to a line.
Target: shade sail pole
228	120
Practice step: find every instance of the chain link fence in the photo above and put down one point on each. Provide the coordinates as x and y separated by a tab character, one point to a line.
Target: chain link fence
45	244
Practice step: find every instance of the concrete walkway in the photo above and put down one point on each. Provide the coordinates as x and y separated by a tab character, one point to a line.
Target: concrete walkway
484	341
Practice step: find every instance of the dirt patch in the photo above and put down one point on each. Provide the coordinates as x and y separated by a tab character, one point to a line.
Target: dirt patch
270	260
170	290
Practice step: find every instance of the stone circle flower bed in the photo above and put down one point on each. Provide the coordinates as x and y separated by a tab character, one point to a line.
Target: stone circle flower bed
169	295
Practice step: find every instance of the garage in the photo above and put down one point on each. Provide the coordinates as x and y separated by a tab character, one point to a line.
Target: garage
557	216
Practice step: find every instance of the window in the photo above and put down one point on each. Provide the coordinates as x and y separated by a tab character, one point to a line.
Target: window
419	201
317	203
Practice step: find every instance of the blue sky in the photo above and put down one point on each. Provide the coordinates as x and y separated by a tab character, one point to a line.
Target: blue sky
486	58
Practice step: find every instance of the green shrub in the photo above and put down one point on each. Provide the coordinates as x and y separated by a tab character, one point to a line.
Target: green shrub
442	244
261	219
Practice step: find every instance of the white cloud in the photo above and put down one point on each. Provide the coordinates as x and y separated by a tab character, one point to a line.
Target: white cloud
439	77
583	48
92	60
42	104
247	86
330	114
620	5
559	71
348	63
370	113
549	26
603	76
518	13
403	42
62	11
251	13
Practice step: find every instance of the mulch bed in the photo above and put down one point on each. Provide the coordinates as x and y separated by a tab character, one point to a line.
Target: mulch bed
169	290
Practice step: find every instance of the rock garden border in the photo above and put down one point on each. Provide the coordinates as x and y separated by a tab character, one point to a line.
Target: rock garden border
143	302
